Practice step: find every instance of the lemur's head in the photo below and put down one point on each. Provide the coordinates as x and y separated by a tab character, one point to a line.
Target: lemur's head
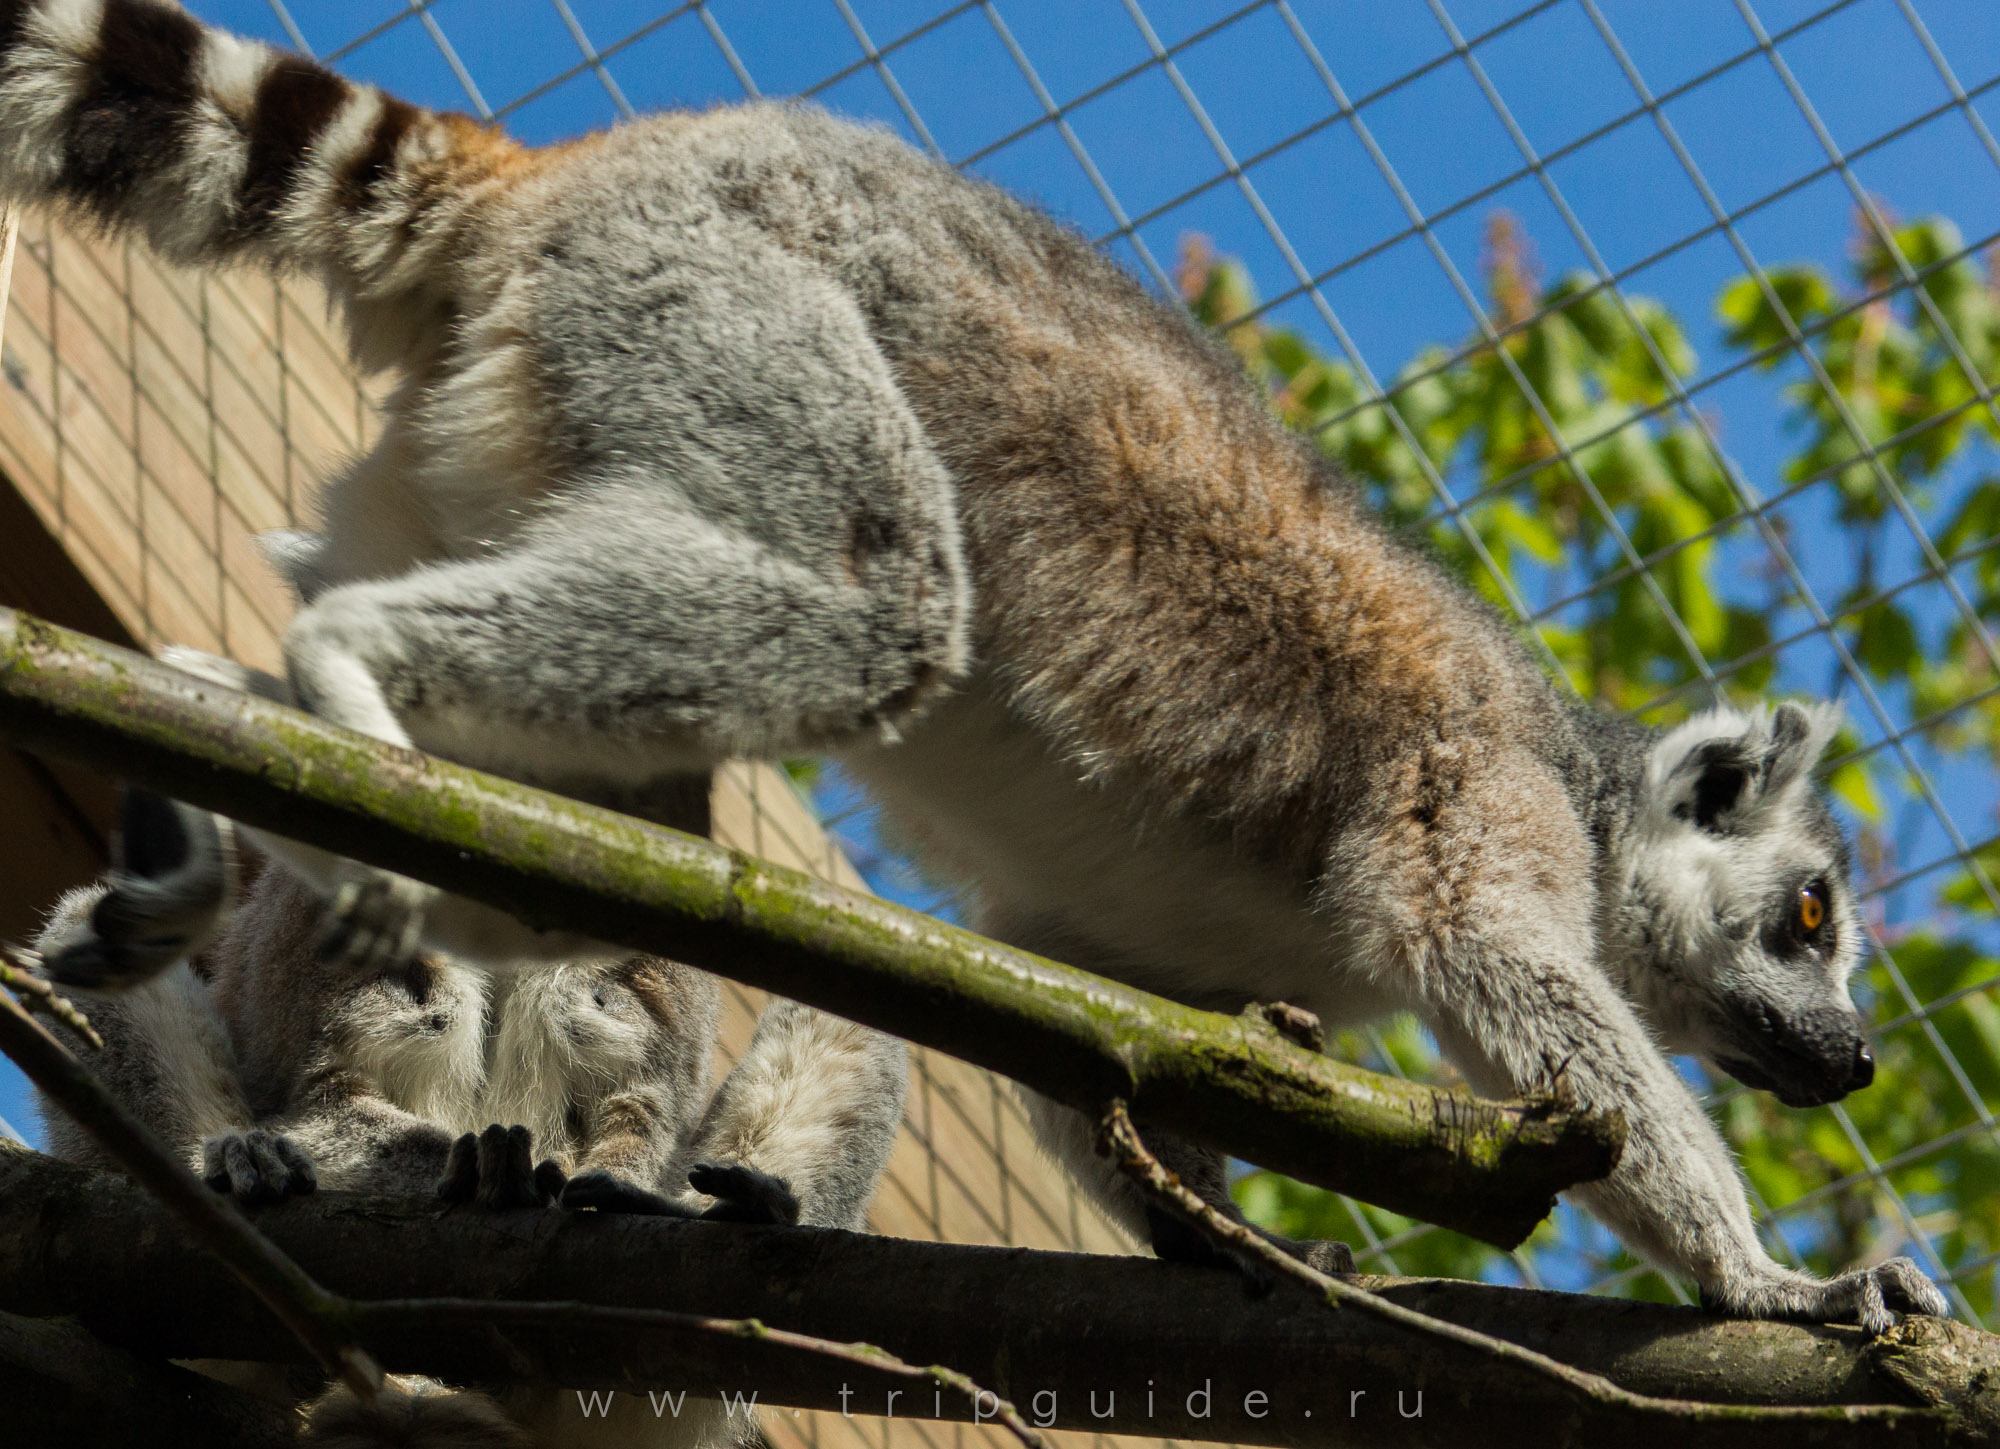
1737	930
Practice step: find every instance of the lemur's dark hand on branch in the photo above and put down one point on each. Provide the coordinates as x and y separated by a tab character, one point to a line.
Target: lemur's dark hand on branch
257	1167
601	1191
496	1169
743	1194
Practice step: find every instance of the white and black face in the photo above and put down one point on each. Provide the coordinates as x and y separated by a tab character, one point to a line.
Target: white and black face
1737	932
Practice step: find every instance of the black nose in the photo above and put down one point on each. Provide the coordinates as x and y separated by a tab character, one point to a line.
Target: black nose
1863	1070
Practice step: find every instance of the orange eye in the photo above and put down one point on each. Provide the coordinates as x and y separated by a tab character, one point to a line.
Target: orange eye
1812	908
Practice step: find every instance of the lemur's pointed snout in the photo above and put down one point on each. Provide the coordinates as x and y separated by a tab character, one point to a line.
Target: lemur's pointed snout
1863	1070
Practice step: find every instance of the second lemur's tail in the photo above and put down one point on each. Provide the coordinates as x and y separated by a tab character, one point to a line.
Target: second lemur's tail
137	117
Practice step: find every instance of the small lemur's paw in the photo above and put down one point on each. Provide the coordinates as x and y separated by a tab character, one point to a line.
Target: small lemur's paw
1294	1023
169	881
1871	1297
605	1192
1322	1255
257	1167
374	920
743	1194
496	1170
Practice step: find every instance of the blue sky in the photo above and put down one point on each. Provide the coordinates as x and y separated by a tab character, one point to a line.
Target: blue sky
1862	66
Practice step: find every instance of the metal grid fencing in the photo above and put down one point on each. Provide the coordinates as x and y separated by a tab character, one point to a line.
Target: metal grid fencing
1621	305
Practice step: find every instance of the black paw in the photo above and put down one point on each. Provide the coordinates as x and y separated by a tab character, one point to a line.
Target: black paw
257	1167
496	1169
743	1194
1175	1240
1322	1255
602	1192
168	883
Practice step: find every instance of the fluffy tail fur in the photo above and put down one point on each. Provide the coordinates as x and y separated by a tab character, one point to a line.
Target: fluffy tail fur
139	118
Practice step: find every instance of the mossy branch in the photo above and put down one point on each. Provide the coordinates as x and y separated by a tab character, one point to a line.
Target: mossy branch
1487	1169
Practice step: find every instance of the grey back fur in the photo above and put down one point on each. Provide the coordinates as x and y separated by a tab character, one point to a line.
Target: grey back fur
753	432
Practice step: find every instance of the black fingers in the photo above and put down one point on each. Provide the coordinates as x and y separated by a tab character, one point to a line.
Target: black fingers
743	1194
1324	1255
372	926
461	1170
550	1180
257	1167
1295	1023
304	1176
1908	1289
496	1170
604	1193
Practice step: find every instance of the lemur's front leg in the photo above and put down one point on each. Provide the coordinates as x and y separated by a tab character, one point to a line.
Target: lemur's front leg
1512	1013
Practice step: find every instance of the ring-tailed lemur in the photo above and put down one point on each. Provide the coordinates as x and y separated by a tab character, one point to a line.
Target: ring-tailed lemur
751	432
278	1072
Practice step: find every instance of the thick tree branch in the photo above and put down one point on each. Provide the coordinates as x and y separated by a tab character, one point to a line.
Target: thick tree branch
1487	1169
1059	1334
1593	1395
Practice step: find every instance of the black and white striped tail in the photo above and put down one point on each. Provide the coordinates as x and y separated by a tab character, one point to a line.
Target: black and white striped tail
137	116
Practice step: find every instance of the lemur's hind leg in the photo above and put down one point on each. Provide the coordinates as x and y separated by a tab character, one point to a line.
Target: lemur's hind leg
620	638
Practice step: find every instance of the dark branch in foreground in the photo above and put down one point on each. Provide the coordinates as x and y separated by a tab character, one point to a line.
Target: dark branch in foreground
1593	1394
1114	1345
1487	1169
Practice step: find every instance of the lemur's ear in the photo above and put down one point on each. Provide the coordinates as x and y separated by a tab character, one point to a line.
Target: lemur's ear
1798	735
295	554
1719	768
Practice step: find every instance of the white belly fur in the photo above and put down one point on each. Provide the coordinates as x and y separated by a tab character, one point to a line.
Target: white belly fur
989	807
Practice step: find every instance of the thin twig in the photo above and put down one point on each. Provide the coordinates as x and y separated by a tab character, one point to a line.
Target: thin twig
404	1314
1118	1137
23	978
311	1312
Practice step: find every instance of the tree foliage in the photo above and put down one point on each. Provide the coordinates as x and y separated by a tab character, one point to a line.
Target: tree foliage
1581	489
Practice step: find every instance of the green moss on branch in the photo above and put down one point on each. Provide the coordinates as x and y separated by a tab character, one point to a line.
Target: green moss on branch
1488	1169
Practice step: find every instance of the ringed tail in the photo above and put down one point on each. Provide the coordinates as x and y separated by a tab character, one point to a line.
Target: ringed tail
135	117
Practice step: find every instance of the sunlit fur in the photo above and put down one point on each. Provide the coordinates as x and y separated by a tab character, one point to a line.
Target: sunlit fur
750	432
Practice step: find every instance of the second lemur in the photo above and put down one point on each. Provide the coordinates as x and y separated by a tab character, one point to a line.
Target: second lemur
278	1073
751	432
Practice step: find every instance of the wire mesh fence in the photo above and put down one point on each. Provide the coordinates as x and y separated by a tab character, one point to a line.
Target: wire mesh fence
1674	328
1389	178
